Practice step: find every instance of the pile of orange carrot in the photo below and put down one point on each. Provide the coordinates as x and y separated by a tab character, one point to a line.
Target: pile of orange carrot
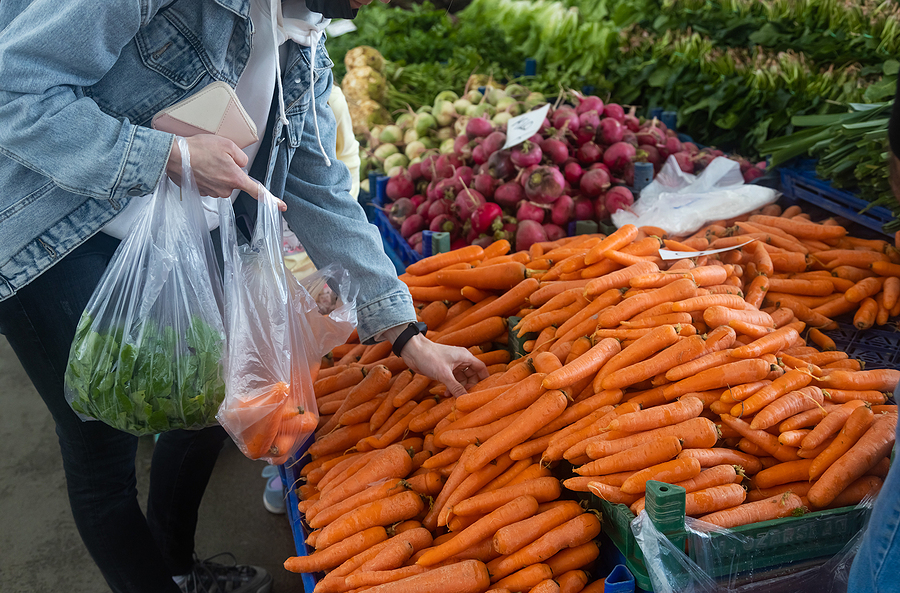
640	369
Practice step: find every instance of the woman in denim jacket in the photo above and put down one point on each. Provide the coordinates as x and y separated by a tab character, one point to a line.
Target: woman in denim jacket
79	84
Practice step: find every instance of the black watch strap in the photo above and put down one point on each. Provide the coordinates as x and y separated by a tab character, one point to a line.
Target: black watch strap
411	330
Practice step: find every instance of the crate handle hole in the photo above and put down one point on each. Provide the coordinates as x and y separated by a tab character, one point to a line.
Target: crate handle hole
663	489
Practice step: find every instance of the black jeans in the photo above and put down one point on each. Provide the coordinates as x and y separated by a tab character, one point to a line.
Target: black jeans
134	553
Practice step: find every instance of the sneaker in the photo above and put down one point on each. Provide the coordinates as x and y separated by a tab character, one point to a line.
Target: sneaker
274	498
211	577
270	471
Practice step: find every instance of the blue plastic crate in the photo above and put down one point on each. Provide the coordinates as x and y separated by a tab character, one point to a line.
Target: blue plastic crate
802	183
290	476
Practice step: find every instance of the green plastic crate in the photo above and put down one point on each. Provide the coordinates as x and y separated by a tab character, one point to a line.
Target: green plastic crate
516	344
772	544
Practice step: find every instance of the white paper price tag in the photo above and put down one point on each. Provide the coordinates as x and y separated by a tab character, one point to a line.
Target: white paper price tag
340	27
522	127
667	254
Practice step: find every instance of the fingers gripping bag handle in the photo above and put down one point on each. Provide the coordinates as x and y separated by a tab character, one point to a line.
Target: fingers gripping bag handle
147	356
276	335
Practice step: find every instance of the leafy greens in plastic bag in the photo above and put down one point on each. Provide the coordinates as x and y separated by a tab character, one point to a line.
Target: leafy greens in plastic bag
147	353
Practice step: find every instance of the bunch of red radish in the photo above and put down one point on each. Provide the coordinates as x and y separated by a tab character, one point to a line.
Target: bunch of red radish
579	166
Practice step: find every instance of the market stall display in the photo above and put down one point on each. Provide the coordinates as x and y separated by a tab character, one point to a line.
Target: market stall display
636	369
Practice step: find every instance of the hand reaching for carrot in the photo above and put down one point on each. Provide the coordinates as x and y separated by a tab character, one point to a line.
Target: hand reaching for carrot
453	366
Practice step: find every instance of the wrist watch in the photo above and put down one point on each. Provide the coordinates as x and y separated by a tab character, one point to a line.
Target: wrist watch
411	330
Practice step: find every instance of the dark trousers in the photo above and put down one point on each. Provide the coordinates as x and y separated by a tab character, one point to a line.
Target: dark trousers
134	553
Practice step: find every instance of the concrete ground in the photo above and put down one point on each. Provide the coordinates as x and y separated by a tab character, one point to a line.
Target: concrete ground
40	549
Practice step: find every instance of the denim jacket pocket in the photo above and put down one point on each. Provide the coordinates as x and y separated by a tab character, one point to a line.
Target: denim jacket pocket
159	68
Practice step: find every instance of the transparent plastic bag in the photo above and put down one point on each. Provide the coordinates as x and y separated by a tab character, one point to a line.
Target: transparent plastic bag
277	336
148	350
670	569
681	203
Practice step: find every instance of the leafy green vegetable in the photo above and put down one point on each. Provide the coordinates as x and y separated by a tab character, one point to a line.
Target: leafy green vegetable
155	382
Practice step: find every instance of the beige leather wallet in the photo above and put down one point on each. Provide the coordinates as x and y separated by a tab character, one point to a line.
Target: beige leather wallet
213	110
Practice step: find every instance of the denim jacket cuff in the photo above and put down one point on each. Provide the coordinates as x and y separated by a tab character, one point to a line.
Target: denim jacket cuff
145	163
382	314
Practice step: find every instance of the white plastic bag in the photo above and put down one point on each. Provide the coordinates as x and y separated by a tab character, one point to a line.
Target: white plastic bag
681	203
147	354
276	337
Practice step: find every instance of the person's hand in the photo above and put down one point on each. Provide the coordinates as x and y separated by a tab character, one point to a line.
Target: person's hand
455	367
217	166
894	174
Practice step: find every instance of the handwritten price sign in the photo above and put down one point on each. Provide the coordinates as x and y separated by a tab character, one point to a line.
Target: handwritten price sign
522	127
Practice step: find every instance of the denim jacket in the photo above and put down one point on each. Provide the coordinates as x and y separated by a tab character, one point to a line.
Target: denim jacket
79	84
